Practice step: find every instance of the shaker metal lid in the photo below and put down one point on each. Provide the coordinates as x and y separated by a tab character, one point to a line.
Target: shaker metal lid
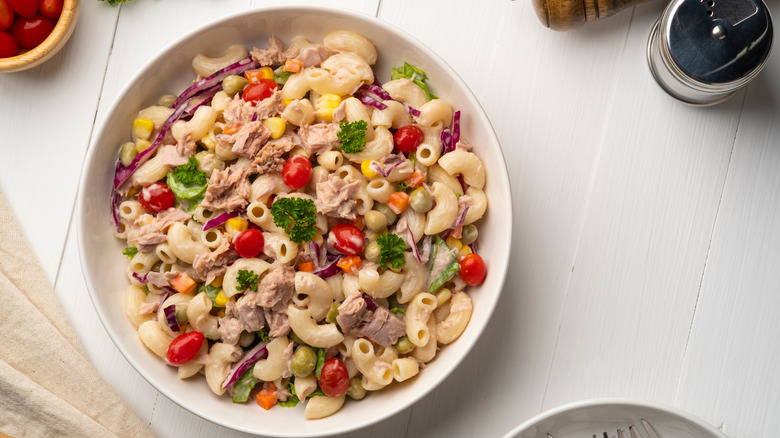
717	42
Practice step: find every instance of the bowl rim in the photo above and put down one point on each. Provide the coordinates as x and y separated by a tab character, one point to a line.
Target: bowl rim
63	29
614	401
496	268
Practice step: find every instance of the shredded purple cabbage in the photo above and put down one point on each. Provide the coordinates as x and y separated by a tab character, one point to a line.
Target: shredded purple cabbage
250	358
413	111
427	247
314	249
413	244
455	128
221	219
170	318
370	303
462	183
328	270
377	89
202	98
168	292
116	199
446	141
139	277
209	81
371	101
382	171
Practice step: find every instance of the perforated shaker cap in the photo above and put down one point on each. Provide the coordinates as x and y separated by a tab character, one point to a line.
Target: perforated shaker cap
711	47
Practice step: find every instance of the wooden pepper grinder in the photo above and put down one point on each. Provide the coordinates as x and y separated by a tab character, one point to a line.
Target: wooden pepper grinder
566	15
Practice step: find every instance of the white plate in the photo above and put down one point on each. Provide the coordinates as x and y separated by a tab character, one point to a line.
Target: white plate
586	418
103	264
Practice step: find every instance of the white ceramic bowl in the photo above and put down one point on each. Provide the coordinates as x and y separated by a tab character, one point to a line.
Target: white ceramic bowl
170	71
594	417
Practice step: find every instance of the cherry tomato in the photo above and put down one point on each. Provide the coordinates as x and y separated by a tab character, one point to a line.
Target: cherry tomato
249	243
8	46
50	8
347	238
184	348
334	378
157	197
472	269
25	8
407	138
6	15
259	91
29	32
296	171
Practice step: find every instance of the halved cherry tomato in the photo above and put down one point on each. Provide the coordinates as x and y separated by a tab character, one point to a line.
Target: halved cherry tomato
157	197
296	171
407	138
249	243
334	378
347	238
50	8
472	269
29	32
8	46
6	15
263	89
25	8
184	348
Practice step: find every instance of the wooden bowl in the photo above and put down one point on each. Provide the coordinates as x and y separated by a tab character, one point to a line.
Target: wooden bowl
50	46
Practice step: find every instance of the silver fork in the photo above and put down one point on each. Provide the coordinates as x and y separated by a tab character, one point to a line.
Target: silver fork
632	430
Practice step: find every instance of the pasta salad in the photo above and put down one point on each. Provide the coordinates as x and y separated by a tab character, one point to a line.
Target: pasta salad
296	230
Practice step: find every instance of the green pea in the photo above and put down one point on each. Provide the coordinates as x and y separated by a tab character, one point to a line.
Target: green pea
375	221
404	345
371	253
233	84
167	100
303	361
385	210
181	315
355	389
127	152
469	234
420	200
333	313
295	338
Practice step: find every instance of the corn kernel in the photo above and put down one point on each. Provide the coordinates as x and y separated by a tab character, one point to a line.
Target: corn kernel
365	167
127	152
208	142
287	101
463	252
236	224
131	192
221	299
326	104
142	145
217	282
143	128
318	238
454	243
442	296
266	73
276	125
297	150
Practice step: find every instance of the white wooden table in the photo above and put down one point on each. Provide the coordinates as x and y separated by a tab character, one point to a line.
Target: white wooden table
646	256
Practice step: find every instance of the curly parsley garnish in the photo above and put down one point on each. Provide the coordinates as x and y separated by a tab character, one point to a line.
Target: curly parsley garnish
391	252
130	252
352	136
297	216
247	280
417	76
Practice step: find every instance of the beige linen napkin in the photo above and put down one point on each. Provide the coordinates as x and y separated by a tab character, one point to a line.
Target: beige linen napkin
48	388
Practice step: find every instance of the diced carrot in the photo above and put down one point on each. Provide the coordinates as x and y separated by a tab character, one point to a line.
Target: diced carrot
416	179
183	283
266	398
306	267
398	202
253	76
292	65
359	222
231	129
350	264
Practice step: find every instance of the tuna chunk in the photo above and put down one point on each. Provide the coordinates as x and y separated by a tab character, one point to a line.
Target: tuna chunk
250	138
238	111
176	155
274	54
230	327
277	288
334	197
351	313
249	312
152	234
383	327
270	158
270	106
157	279
211	265
228	189
319	137
313	56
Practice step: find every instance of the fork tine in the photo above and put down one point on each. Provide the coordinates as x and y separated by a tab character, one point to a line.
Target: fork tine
649	429
634	433
621	433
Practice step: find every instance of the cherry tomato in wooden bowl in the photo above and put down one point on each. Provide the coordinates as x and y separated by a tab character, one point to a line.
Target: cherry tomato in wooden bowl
184	348
263	89
25	8
157	197
347	238
334	378
6	15
296	171
50	8
31	31
8	45
249	243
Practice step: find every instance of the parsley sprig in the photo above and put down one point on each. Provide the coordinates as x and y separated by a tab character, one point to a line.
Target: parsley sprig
247	279
130	252
391	250
187	181
352	136
297	216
